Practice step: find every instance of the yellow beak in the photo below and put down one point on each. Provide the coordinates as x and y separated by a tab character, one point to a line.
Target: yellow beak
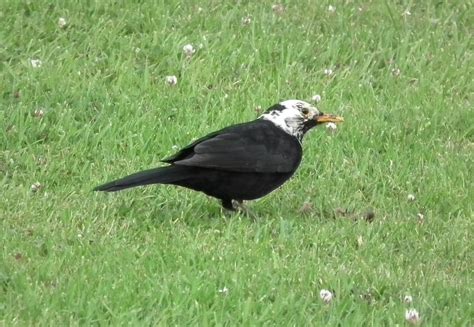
329	119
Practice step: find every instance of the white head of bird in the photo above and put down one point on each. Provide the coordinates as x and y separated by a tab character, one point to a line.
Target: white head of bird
296	117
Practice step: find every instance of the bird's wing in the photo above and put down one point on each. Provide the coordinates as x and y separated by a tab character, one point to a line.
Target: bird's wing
257	146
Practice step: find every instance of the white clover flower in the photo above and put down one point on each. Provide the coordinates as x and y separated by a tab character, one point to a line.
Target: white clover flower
408	299
396	72
171	80
421	217
331	8
224	290
328	72
42	161
316	98
35	187
39	113
36	63
246	20
411	197
199	10
331	127
406	13
412	316
189	50
62	22
278	8
326	296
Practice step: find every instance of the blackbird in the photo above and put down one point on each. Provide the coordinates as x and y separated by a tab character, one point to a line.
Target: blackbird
240	162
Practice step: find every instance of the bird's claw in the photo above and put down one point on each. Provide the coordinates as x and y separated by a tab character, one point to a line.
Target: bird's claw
239	206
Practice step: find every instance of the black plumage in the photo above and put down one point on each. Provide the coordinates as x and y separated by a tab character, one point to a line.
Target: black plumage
240	162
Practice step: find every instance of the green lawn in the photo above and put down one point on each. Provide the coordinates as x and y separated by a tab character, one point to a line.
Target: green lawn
97	107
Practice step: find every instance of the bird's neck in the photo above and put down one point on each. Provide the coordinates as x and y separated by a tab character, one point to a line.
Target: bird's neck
291	125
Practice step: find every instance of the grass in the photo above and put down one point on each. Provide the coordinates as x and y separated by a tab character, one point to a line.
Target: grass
402	78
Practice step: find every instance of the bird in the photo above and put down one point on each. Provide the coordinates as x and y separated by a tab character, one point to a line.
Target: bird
241	162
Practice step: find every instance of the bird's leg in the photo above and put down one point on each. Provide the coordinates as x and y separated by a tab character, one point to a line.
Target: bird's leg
239	205
243	209
227	204
233	205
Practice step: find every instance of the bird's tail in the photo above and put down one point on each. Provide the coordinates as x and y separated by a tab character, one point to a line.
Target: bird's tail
161	175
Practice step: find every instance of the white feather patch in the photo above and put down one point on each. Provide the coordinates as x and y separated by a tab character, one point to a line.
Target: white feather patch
290	119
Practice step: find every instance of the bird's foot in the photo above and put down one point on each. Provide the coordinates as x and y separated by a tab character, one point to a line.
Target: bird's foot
237	206
234	205
228	204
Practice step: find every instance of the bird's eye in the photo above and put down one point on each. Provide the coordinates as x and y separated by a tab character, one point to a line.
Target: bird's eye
305	111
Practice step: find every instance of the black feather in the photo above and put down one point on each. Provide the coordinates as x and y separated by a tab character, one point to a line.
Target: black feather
251	147
162	175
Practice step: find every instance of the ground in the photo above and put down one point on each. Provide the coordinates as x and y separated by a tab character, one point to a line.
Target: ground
380	208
